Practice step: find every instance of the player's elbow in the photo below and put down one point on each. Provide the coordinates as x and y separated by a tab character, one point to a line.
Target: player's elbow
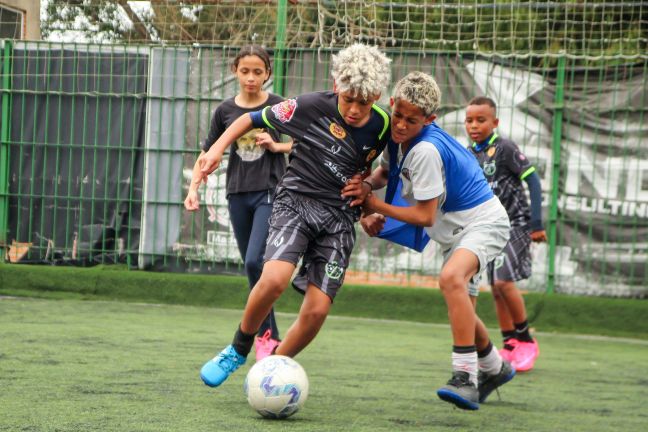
425	220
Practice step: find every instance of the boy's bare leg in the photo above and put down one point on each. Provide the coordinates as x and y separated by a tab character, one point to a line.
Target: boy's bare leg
509	304
312	315
481	333
273	281
456	273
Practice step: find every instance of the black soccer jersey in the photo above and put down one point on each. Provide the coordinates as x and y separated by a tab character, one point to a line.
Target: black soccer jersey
326	151
505	166
245	156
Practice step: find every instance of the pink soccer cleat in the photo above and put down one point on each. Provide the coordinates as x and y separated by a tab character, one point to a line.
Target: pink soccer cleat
507	351
524	355
264	345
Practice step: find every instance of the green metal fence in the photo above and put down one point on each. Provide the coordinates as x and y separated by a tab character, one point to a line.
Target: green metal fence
98	141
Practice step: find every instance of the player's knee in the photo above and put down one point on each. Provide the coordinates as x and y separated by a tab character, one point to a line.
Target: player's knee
450	281
497	291
316	314
504	288
271	285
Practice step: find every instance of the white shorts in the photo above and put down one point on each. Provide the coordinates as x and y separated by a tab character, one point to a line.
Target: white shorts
485	236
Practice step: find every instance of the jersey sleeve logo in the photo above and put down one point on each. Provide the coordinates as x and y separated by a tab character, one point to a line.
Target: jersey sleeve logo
284	111
371	155
407	174
337	131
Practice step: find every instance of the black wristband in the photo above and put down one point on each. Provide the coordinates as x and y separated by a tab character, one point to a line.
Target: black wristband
370	185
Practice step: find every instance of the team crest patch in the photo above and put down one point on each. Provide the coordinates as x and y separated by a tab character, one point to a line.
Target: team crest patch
371	155
491	151
499	261
337	131
333	270
284	111
489	168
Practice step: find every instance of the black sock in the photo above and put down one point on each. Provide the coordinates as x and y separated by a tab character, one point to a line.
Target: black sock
508	334
522	332
242	342
483	353
464	349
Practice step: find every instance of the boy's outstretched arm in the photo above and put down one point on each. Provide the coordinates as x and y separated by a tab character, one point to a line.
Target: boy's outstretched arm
423	213
538	233
192	201
212	159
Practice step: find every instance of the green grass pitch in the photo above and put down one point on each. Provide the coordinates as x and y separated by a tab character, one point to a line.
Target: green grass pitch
70	365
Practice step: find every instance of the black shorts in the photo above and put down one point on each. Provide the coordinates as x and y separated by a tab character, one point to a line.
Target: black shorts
321	235
514	263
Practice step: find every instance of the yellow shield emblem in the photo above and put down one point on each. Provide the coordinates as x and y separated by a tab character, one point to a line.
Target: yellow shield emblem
337	131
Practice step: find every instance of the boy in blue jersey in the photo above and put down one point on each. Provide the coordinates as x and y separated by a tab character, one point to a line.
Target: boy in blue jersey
449	196
336	136
505	167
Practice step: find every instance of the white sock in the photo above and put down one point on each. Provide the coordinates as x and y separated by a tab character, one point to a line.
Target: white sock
492	363
466	363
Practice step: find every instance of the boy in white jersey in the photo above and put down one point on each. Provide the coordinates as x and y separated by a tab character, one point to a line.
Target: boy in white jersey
449	196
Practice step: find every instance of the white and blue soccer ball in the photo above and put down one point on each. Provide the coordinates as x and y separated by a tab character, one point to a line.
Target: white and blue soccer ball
276	387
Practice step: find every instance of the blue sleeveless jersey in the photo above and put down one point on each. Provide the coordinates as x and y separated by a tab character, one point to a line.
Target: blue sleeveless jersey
466	186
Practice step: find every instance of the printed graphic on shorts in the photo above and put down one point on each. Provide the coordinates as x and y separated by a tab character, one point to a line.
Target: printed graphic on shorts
247	149
499	261
278	241
333	270
284	111
337	131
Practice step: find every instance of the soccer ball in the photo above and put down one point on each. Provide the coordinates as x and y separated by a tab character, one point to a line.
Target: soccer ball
276	387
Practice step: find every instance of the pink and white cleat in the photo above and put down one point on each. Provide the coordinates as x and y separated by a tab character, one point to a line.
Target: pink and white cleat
264	345
524	355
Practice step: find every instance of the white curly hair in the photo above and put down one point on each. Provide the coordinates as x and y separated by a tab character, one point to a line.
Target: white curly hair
361	69
419	89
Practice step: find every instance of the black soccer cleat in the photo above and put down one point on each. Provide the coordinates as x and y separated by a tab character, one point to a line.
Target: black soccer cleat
460	391
488	383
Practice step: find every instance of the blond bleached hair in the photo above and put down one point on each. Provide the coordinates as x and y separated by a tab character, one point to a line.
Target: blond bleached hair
361	69
419	89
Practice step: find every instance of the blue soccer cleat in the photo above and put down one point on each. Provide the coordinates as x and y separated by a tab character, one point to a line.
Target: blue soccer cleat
216	370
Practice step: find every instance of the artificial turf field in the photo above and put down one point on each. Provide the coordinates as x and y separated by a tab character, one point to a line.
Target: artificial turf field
71	365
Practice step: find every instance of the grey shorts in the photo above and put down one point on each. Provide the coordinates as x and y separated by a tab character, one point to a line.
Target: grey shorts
514	263
485	239
321	235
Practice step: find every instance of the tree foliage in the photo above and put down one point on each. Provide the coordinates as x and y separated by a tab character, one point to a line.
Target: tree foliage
579	27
